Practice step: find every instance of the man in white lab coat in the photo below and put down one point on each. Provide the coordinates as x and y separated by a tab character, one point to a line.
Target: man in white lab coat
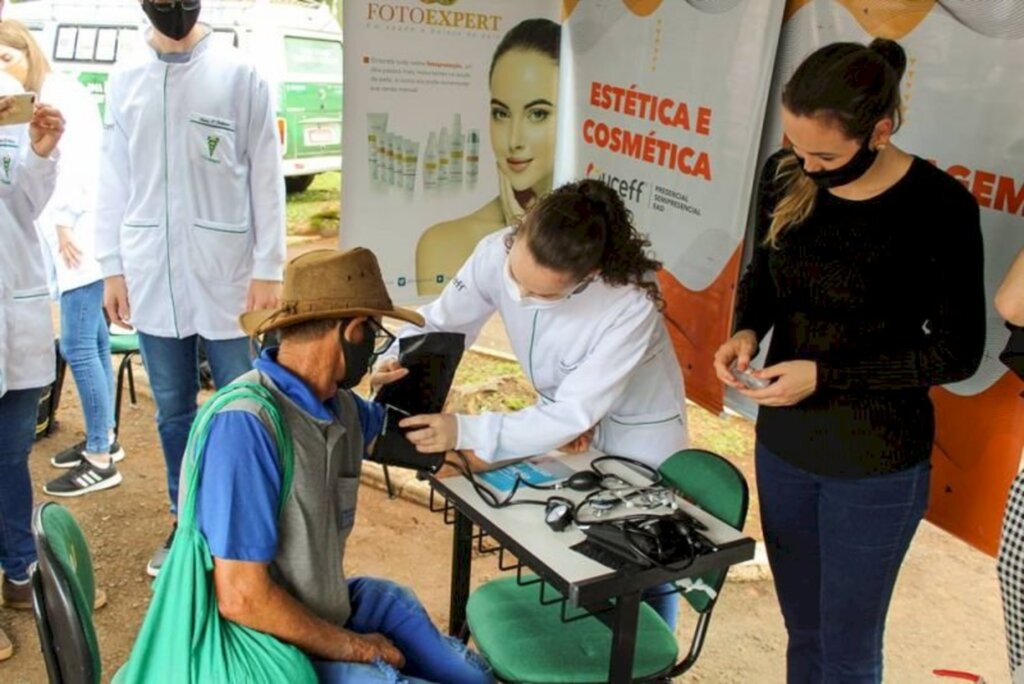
190	225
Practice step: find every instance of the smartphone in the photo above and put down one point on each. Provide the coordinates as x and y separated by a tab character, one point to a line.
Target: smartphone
747	378
20	110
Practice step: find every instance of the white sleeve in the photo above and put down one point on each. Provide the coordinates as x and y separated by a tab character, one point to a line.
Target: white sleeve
266	185
465	304
112	194
583	399
32	182
78	148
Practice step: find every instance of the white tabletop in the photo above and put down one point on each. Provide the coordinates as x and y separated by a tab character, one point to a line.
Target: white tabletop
526	525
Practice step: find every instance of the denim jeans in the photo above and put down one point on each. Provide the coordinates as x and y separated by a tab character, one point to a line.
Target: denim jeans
173	368
85	345
835	547
383	607
18	412
665	602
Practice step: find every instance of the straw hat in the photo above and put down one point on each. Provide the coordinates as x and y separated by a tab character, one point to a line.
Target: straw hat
326	283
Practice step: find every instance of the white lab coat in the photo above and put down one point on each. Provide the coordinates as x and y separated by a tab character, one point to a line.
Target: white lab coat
601	358
74	200
191	202
27	358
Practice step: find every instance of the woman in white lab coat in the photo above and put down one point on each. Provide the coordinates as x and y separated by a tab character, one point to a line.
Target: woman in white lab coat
67	226
575	288
27	178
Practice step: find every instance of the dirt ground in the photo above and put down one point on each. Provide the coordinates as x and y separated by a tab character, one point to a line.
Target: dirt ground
945	614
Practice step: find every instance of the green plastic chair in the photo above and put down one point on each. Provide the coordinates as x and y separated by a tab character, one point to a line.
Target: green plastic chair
125	346
63	593
526	641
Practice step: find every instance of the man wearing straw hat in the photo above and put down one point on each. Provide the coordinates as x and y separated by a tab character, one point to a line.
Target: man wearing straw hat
281	572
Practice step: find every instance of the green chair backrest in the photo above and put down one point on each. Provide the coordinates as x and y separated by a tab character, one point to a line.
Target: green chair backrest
122	344
717	486
64	552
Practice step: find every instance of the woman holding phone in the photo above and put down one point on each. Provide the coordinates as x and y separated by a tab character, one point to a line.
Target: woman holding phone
67	226
868	267
27	178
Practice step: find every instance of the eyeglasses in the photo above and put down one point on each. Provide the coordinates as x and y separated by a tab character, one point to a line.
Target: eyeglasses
187	5
383	339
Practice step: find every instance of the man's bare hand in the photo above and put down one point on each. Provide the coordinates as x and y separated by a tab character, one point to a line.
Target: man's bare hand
381	647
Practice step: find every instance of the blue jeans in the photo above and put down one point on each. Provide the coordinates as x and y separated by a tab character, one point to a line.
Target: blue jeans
18	412
173	368
383	607
665	602
835	547
85	345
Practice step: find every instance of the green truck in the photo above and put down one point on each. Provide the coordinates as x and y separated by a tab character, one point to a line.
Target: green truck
296	44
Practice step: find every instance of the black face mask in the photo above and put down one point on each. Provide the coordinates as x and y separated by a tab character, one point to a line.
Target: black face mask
175	21
848	172
358	357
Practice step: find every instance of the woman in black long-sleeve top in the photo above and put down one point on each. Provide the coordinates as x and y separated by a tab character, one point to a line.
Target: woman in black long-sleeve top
868	268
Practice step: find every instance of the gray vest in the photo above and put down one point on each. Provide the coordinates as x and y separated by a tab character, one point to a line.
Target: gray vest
320	510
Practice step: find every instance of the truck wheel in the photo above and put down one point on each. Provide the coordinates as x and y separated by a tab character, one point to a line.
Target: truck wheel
294	184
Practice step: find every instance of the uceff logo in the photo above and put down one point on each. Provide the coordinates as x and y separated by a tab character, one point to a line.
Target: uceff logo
631	189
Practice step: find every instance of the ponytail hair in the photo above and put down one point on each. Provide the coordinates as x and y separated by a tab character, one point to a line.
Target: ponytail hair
583	227
847	85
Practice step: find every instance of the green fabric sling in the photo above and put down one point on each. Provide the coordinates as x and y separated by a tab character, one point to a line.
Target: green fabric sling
184	638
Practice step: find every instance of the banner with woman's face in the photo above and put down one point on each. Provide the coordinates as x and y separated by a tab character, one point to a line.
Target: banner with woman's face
451	109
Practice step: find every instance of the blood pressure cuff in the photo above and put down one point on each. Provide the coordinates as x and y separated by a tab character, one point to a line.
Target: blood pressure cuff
432	359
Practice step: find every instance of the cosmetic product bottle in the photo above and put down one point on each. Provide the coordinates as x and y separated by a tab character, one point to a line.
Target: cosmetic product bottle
389	158
395	171
443	157
376	125
412	158
473	156
382	156
430	163
458	151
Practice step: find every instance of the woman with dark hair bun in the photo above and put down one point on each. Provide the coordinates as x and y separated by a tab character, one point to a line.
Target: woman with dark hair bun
868	267
574	285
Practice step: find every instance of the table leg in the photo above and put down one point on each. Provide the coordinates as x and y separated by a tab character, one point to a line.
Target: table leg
626	620
462	559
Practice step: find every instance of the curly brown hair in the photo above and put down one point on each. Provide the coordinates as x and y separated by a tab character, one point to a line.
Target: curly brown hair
583	227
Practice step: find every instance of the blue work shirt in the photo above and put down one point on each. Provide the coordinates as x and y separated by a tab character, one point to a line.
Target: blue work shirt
240	479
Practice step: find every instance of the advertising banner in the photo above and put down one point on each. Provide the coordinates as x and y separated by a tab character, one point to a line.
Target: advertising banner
450	113
664	101
962	96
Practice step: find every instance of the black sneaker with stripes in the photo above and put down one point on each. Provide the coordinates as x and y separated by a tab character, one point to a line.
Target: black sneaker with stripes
72	456
83	479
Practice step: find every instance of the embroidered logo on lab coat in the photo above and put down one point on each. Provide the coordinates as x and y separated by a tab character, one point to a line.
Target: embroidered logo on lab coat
7	160
212	141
